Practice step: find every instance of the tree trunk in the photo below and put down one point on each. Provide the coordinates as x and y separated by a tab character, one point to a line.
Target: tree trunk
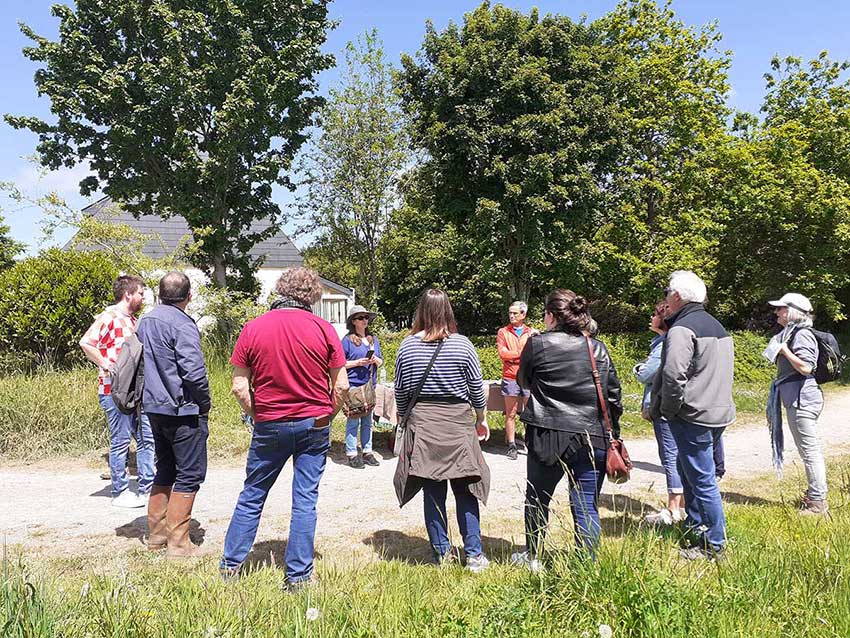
219	271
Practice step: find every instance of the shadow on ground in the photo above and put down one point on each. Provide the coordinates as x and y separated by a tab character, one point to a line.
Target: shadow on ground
137	529
392	544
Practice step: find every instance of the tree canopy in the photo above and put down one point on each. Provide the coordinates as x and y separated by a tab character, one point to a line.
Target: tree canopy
193	108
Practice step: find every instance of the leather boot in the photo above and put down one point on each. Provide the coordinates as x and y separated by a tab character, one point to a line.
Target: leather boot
178	516
157	507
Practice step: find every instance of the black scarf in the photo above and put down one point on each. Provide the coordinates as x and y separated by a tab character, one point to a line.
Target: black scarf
288	302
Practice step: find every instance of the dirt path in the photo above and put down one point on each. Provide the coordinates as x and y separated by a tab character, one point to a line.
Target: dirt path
67	512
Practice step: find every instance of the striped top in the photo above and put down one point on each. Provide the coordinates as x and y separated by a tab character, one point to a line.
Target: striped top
456	373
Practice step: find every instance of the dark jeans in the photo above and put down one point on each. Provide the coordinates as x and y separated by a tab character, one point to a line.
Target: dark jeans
702	495
719	456
273	443
436	519
586	472
181	450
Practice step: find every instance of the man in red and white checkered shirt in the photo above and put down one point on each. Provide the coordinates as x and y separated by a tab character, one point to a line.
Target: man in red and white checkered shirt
101	345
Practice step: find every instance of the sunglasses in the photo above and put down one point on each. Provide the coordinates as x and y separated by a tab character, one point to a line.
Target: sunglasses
361	318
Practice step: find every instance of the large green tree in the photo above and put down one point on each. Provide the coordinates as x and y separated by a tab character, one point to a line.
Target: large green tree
351	172
186	107
9	248
509	111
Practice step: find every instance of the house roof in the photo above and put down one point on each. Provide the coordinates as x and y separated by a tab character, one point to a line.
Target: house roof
344	290
279	251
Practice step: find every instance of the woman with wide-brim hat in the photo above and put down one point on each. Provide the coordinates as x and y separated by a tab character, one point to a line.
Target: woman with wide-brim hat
363	358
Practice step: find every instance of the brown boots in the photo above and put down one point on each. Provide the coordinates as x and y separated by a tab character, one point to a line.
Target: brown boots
157	507
177	519
169	514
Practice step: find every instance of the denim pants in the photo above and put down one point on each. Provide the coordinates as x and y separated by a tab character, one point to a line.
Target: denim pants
271	446
669	454
702	496
364	423
719	457
803	424
181	451
436	519
586	474
122	427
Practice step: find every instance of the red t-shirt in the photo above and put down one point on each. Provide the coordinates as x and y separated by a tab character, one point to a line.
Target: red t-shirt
289	352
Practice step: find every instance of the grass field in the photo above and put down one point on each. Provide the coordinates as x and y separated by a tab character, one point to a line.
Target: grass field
55	413
784	576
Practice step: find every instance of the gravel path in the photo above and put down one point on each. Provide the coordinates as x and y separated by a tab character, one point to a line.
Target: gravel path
66	511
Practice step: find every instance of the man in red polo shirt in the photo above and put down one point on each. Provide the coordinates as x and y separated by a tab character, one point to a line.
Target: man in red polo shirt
287	378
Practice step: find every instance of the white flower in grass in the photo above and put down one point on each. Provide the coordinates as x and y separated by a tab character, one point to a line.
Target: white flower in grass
605	631
84	590
312	614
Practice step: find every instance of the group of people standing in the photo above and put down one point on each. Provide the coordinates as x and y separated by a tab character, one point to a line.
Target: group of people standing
292	375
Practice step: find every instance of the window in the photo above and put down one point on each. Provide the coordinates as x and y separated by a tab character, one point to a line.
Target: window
332	310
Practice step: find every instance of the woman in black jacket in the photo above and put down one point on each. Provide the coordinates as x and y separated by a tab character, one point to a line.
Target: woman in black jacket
565	430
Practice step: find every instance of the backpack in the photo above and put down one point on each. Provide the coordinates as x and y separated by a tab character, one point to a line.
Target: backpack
128	376
830	360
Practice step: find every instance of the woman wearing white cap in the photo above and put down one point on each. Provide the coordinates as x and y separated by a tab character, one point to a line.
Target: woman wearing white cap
795	351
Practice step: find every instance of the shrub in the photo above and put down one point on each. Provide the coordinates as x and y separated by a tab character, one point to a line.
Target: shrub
48	302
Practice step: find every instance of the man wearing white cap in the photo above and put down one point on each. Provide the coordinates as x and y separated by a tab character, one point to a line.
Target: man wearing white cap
796	357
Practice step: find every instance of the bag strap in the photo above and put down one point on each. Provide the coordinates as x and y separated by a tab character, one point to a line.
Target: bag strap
602	403
415	396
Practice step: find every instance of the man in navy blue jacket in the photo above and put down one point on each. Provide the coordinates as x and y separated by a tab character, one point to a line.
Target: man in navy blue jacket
176	399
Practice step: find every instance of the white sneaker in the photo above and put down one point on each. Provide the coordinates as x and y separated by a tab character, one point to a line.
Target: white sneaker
664	518
522	559
477	564
129	500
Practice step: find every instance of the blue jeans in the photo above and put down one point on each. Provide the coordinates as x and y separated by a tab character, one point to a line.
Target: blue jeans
669	454
364	423
271	446
719	457
436	519
586	475
702	496
121	428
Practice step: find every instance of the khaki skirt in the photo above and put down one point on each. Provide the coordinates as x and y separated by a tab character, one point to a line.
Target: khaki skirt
441	444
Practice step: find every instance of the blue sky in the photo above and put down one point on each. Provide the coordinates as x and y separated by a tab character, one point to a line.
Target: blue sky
754	30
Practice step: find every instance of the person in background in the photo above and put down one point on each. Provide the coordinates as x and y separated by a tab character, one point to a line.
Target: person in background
565	430
288	376
177	400
645	372
101	344
800	393
441	441
363	357
510	340
693	391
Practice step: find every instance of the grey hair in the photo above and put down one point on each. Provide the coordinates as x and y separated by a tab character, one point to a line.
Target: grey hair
523	307
689	286
799	318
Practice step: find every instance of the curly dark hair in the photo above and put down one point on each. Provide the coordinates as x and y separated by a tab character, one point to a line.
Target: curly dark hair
300	284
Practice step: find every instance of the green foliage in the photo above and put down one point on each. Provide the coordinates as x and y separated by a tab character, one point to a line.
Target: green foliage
351	170
9	248
194	109
48	302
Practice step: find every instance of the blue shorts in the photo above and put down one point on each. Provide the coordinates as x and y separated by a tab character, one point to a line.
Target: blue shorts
510	388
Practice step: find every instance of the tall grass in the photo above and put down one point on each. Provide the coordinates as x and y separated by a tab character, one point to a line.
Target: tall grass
48	413
784	576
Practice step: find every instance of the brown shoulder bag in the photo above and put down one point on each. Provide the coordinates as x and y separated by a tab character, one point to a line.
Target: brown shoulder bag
618	465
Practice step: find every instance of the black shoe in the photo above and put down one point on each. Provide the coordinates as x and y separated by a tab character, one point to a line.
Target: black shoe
356	462
512	453
369	459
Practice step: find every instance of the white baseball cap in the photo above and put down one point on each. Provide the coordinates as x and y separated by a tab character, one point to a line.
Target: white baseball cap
793	300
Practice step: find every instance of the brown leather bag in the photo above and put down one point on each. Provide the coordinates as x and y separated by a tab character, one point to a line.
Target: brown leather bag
618	465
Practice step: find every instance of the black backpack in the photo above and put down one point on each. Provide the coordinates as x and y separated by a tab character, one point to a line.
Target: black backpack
830	360
128	376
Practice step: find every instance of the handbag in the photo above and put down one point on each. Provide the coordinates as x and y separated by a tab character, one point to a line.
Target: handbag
361	400
397	442
618	465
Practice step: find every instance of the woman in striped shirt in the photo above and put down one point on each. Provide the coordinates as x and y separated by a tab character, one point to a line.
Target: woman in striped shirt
441	439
